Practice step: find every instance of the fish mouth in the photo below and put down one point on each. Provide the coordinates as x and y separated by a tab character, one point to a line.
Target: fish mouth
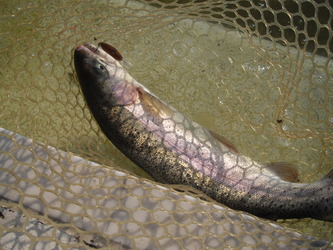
87	46
91	50
87	49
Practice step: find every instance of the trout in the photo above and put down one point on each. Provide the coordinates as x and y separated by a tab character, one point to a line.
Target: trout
176	150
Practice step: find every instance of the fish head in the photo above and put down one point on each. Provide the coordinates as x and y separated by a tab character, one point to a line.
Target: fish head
102	78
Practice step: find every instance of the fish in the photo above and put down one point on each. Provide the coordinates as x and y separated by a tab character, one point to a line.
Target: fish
173	149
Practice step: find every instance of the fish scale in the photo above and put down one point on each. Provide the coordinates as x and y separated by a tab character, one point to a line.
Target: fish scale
169	146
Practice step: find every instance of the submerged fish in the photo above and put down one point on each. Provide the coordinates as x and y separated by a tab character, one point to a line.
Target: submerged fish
175	150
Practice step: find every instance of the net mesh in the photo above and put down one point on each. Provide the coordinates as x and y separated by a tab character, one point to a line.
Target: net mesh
257	72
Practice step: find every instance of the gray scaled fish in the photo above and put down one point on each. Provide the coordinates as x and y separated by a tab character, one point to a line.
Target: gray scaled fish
175	150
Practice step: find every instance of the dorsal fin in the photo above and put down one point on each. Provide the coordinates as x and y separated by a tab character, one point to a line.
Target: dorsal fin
154	105
224	141
285	170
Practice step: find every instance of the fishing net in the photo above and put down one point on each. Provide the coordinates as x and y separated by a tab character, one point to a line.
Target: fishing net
257	72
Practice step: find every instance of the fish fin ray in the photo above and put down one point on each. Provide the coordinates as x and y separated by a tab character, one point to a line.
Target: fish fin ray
285	170
224	141
154	105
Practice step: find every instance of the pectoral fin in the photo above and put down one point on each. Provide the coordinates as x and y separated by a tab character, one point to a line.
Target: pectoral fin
224	141
286	171
154	105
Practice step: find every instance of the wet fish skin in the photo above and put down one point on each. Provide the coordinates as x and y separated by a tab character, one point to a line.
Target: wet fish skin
175	150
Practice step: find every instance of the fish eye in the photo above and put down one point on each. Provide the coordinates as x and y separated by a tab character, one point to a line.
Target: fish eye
101	67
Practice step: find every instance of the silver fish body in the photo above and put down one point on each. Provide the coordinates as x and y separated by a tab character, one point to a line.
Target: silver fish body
175	150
